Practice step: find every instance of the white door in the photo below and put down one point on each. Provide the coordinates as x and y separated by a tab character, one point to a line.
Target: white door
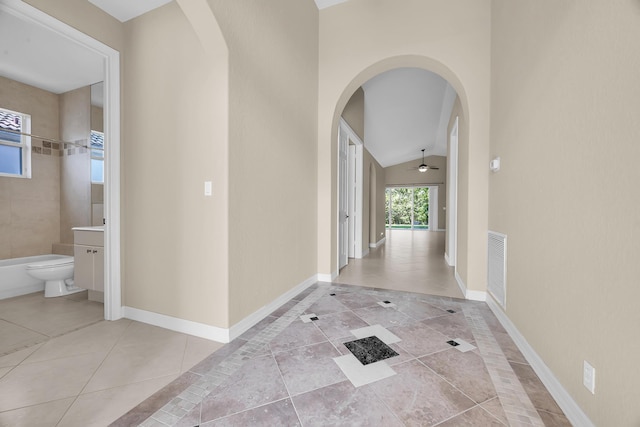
343	199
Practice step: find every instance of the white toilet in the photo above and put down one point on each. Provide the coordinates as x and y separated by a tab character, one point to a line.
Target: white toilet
57	274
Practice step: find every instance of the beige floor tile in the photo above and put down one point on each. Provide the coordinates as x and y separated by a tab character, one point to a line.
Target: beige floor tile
131	362
96	338
103	407
17	357
4	371
408	261
14	337
43	415
197	349
41	382
50	316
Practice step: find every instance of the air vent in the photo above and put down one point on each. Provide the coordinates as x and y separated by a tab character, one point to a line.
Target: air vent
497	268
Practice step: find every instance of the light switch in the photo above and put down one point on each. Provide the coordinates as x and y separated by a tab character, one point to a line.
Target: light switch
207	188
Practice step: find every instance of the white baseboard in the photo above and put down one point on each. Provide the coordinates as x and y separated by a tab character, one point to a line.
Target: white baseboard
461	283
245	324
571	410
476	295
201	330
378	243
327	277
468	294
209	332
448	261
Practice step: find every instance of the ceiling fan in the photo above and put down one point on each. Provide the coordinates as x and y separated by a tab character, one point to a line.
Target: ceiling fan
424	167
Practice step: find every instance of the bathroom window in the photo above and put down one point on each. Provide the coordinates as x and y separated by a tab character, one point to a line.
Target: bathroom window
15	146
97	157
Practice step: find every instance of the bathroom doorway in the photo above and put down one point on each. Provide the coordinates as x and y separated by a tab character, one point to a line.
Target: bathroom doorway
109	64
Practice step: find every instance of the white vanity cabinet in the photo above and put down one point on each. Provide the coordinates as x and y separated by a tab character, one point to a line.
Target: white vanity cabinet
88	253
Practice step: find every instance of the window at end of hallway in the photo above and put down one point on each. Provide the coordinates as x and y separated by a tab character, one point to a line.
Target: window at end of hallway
15	144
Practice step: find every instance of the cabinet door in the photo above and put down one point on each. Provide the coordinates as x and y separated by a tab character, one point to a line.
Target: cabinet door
83	266
98	268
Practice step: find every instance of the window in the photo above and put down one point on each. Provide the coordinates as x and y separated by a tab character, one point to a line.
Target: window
97	157
407	208
15	146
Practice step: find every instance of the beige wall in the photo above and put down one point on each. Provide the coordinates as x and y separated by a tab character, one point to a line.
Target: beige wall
30	208
97	118
373	229
85	17
565	100
75	164
405	174
273	69
174	237
353	113
449	38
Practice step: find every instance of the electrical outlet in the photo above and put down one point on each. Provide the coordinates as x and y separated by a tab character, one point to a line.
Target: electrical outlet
589	377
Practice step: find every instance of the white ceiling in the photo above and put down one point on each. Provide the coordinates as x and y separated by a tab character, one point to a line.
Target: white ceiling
37	56
124	10
406	110
327	3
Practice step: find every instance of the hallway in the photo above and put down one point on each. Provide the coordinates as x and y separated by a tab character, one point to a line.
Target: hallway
411	261
296	368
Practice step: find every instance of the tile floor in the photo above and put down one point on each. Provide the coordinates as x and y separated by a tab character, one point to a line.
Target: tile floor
80	370
285	370
410	261
31	319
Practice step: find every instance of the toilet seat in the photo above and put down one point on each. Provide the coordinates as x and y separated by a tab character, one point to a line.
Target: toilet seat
59	262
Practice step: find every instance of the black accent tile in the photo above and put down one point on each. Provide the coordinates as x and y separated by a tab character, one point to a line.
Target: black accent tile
333	295
370	350
453	343
387	302
313	318
451	311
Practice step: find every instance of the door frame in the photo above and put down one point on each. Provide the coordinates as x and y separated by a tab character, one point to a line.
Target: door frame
451	254
112	271
359	154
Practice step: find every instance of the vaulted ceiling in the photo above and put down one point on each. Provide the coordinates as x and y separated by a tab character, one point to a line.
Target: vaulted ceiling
406	109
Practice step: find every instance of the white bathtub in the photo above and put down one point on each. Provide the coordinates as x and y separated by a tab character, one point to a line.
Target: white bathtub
14	279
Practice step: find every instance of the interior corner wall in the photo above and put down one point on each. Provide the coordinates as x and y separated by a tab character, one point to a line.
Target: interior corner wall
353	113
449	38
273	101
406	174
565	99
174	236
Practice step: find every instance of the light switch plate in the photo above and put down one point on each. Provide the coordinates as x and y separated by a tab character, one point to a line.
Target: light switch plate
207	188
589	377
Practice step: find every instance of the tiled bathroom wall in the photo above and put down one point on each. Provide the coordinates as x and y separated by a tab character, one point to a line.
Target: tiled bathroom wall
75	167
37	214
30	208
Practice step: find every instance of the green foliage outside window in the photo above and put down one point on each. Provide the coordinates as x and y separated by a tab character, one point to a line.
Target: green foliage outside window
407	207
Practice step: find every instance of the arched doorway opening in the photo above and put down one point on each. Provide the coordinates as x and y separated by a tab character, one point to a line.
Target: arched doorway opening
375	203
